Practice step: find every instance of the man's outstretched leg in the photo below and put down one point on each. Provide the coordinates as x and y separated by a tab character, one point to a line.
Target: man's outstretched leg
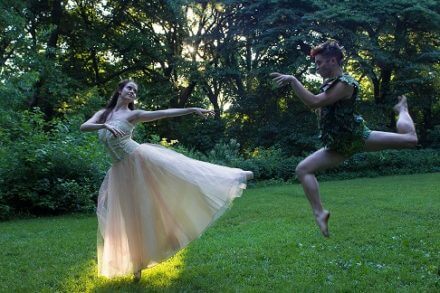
405	137
305	171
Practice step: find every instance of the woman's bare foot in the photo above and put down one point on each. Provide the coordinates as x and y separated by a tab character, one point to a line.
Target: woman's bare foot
249	175
322	221
402	105
137	276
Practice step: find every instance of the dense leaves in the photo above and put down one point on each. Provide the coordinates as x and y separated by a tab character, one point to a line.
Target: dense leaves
60	60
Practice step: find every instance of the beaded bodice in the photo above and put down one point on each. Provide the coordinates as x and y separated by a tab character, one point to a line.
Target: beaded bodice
118	146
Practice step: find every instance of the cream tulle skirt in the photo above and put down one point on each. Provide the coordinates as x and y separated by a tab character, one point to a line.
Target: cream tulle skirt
154	202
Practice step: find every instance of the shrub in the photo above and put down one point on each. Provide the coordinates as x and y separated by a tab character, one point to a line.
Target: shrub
47	168
389	162
434	137
51	168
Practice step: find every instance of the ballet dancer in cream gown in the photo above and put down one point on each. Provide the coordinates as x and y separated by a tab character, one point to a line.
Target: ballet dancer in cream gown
153	201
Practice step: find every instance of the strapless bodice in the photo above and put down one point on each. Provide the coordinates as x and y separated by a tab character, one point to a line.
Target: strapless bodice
118	146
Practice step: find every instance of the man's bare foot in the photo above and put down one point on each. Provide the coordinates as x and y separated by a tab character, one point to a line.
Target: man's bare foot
249	175
322	221
402	105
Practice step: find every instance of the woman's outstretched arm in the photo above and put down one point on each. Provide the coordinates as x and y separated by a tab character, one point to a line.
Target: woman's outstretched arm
145	116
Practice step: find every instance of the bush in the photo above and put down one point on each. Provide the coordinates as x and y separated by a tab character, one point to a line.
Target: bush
51	168
434	137
47	168
272	164
389	162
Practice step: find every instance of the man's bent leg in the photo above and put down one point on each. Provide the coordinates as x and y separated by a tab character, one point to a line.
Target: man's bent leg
305	171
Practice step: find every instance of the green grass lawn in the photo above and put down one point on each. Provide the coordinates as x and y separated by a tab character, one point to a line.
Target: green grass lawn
385	236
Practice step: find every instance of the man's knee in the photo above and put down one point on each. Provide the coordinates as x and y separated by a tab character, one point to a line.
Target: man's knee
301	170
411	141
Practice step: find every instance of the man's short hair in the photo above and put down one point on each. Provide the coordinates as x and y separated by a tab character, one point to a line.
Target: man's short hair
329	49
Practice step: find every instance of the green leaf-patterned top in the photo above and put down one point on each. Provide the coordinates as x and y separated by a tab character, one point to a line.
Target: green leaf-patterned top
341	128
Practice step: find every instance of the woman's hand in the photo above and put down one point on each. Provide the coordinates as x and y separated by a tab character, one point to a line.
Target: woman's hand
282	79
116	132
203	112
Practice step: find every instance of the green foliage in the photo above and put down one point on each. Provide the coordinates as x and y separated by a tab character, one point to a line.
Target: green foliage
66	57
434	137
47	168
190	53
225	153
387	163
50	168
274	164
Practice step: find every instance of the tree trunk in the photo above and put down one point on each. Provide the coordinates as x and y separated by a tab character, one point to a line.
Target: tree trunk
213	98
185	94
384	88
38	99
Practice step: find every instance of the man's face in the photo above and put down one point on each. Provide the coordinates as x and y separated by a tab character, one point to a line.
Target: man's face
324	65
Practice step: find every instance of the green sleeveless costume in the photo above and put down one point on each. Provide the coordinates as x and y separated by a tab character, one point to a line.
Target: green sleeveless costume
341	128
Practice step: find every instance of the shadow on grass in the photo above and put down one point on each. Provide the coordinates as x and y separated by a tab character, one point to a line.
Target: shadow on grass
170	275
224	257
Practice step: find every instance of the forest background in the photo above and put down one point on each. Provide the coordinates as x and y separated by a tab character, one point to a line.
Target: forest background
60	61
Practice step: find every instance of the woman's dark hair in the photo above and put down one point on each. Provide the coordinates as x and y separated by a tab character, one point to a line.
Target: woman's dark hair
114	99
329	49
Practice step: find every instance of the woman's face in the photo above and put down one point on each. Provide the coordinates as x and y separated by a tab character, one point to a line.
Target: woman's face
129	91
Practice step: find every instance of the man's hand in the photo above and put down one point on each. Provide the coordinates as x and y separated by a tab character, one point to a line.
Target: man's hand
281	79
